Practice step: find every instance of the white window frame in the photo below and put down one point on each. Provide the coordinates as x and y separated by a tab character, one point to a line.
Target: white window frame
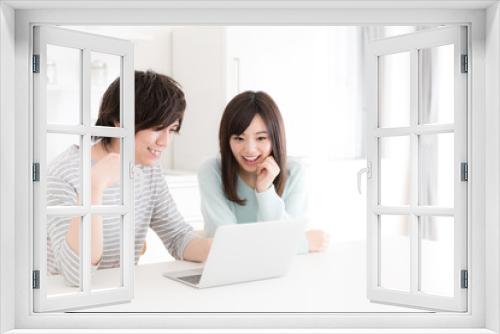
412	43
16	19
86	43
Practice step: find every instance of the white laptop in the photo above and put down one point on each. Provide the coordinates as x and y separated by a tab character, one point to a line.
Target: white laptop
246	252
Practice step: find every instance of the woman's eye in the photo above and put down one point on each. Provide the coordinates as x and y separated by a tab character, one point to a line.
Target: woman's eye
237	138
261	138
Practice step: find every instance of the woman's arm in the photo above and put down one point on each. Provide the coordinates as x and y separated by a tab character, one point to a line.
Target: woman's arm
293	204
214	206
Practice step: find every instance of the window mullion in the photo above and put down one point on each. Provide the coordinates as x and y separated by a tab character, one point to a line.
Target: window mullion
419	211
86	230
127	119
82	210
418	129
414	247
100	131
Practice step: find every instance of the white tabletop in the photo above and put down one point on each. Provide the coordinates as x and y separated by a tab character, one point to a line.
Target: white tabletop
333	281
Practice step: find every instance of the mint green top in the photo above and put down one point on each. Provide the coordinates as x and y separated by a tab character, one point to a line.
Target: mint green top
217	210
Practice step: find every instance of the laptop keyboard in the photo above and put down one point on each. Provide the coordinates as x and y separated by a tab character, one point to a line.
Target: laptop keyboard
193	279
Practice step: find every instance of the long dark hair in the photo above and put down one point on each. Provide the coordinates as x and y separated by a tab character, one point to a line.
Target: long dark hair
237	116
159	102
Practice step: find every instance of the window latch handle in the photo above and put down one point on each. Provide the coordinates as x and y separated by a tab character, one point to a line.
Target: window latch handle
131	170
368	171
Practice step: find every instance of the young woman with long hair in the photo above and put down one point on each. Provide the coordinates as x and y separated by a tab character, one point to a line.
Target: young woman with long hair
253	179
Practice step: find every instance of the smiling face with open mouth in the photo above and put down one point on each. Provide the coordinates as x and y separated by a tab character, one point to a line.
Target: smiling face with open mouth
150	143
251	147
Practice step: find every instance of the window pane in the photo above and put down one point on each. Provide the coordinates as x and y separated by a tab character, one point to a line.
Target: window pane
394	90
109	273
394	170
395	252
437	170
436	251
437	84
63	260
63	85
104	69
64	173
106	171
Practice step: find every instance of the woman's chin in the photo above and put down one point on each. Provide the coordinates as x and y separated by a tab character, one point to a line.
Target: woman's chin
249	169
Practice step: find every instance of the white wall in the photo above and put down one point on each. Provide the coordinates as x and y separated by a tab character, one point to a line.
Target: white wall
199	65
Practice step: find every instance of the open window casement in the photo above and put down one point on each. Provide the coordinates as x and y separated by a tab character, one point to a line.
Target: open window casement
71	71
417	164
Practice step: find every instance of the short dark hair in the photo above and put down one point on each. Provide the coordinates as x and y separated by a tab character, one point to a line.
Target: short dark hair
159	102
237	116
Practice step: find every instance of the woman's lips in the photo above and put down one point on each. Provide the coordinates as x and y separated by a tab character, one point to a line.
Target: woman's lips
251	161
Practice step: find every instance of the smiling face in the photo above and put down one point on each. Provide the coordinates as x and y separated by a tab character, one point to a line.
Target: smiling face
150	143
252	146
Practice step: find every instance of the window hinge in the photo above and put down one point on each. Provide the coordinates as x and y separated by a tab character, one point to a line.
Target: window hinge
464	279
36	279
465	64
36	63
464	171
36	172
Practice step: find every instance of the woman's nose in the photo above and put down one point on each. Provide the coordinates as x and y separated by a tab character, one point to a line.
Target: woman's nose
250	145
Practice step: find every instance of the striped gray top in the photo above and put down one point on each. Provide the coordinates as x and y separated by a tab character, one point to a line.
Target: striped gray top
154	207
